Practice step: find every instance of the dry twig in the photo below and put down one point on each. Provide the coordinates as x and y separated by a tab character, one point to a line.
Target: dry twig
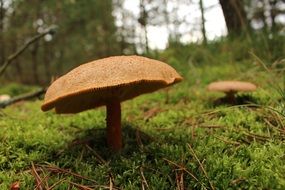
201	165
22	97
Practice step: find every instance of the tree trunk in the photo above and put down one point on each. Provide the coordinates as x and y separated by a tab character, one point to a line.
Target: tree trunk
47	59
203	22
122	28
133	36
35	63
2	49
235	16
18	68
263	17
143	22
273	14
166	16
146	40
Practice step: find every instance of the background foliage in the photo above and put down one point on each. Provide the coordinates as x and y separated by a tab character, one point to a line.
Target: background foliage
177	138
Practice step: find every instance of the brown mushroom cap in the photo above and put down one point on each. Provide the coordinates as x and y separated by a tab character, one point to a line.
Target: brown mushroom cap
95	83
231	86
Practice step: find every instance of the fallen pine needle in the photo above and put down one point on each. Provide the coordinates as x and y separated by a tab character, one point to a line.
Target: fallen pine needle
227	141
55	169
144	182
37	178
181	167
56	183
201	165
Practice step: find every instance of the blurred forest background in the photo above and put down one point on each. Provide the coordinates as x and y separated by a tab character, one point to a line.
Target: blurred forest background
83	30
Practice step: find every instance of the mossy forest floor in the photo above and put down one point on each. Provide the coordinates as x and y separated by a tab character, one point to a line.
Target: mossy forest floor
176	138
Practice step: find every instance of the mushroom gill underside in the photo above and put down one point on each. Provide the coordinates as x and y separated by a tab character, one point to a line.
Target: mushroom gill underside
92	98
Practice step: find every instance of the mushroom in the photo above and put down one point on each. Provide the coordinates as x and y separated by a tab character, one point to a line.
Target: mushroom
230	88
108	82
4	97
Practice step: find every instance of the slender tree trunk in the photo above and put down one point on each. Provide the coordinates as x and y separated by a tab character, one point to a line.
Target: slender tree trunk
47	58
35	49
273	14
122	28
166	16
176	34
203	22
143	22
59	66
263	17
133	36
235	16
2	49
18	71
146	40
122	41
35	63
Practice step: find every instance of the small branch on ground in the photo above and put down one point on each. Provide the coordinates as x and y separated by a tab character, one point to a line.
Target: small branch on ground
9	60
22	97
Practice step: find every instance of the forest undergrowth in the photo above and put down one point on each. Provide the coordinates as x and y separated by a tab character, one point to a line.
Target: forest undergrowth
176	138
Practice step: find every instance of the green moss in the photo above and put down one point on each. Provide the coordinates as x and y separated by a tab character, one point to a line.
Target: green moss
240	147
14	89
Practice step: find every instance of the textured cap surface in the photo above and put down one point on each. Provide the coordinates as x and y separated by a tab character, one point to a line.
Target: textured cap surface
95	83
228	86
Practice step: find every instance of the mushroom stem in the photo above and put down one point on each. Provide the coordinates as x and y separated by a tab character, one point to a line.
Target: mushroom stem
230	97
114	133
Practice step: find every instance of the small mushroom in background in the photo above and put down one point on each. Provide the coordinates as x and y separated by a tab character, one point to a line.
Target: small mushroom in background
230	88
108	82
4	97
